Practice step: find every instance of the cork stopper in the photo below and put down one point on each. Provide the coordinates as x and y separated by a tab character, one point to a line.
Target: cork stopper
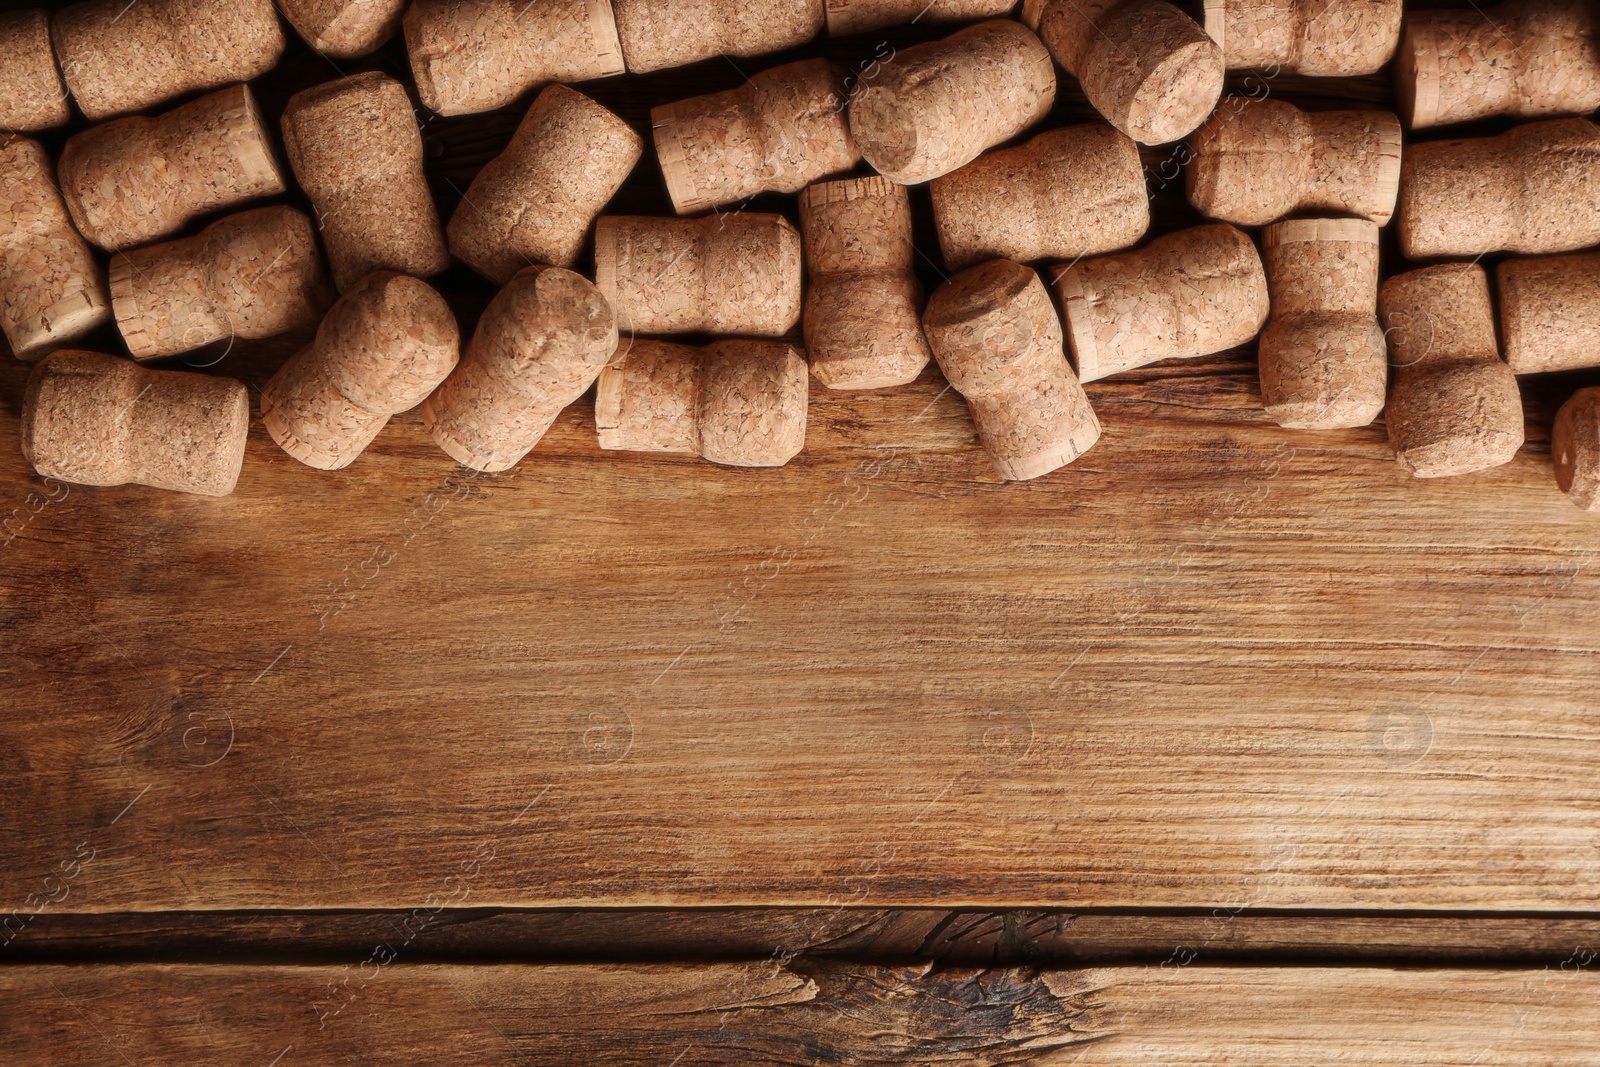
1523	59
251	275
1323	361
737	273
52	290
1144	64
847	17
1322	38
535	201
778	132
94	419
540	344
1531	189
1189	293
1550	312
1454	408
34	97
737	402
657	34
1575	448
863	310
477	55
118	56
1077	191
936	106
344	29
998	341
355	147
380	350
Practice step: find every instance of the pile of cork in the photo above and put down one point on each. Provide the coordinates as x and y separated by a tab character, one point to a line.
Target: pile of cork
1052	286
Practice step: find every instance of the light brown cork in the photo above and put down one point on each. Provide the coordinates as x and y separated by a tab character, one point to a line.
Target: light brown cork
1077	191
733	273
1322	38
535	201
1322	357
1532	189
1575	448
1189	293
863	310
469	56
118	56
540	344
1523	59
251	275
136	179
737	402
1454	407
344	29
1258	159
657	34
846	17
380	350
1144	64
356	150
52	289
776	133
936	106
34	98
94	419
1550	312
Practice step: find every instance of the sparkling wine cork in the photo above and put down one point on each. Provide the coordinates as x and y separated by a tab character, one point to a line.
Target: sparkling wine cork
998	341
34	98
1323	38
535	201
1531	189
657	34
1323	361
380	350
1077	191
135	179
1575	447
355	147
736	273
540	344
344	29
1524	58
52	290
863	311
936	106
251	275
1550	312
1454	408
476	55
94	419
1189	293
737	402
778	132
119	56
846	17
1144	64
1258	159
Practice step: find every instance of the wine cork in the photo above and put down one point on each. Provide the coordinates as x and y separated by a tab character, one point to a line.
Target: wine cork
1531	189
1454	408
52	289
1258	159
118	56
1523	59
998	341
34	97
355	147
657	34
1144	64
540	344
776	133
251	275
1322	38
380	350
535	201
1322	357
94	419
1189	293
737	273
1077	191
846	17
476	55
936	106
738	402
863	310
1550	312
1575	447
136	179
344	29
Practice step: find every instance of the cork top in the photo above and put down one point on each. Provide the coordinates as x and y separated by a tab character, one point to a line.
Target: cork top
984	301
388	342
1356	231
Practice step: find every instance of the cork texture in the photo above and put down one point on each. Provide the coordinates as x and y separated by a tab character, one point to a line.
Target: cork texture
1575	448
847	17
657	34
94	419
344	29
34	97
1550	312
998	341
778	132
1322	38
